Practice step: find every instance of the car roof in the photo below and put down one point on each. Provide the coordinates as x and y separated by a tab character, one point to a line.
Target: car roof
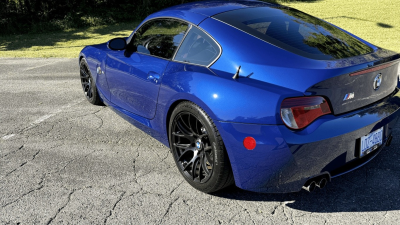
196	12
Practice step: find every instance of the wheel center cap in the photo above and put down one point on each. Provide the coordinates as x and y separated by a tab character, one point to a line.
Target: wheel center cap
199	144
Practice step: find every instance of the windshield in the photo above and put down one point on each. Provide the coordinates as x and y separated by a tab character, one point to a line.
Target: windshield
296	32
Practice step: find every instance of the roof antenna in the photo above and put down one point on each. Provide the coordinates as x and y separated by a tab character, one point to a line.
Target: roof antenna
236	76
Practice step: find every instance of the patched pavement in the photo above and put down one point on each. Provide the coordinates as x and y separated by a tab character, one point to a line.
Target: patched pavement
63	160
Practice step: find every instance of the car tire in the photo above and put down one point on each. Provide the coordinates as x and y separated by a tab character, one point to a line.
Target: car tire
88	84
198	149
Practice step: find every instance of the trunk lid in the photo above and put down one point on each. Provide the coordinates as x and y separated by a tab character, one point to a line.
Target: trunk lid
359	88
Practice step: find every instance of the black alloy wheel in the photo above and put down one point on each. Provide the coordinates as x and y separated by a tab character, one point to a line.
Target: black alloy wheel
193	147
88	84
198	149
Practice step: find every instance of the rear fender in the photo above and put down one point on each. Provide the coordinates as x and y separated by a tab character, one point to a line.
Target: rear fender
243	100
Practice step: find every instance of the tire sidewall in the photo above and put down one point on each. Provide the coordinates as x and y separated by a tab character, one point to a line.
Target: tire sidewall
94	100
218	149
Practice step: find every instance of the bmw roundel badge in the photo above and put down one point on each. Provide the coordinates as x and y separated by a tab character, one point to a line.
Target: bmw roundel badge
377	81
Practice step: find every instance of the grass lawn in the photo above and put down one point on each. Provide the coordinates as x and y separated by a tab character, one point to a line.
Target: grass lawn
65	44
376	21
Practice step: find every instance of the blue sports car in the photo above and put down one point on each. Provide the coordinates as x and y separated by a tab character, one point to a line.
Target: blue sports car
246	92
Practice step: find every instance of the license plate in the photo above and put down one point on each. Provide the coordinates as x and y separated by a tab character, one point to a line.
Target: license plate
371	142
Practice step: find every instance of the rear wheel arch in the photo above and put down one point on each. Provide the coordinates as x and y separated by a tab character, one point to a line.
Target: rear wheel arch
223	174
169	113
197	102
205	109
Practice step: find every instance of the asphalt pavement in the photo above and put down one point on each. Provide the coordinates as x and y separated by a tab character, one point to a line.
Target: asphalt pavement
65	161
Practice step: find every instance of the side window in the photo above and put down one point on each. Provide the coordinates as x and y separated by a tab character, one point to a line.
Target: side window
160	37
198	48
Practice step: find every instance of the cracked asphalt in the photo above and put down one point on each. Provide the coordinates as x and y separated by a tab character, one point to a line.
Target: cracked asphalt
65	161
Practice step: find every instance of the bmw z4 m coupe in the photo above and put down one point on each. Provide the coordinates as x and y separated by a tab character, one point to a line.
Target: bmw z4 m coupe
249	93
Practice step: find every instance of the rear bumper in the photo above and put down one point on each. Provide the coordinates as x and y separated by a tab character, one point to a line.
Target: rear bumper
284	160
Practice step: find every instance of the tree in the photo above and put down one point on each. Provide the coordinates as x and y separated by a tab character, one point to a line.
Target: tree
23	16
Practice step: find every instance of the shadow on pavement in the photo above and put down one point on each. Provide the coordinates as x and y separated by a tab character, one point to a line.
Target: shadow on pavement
372	188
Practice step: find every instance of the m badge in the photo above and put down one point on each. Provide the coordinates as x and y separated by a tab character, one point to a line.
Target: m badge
348	96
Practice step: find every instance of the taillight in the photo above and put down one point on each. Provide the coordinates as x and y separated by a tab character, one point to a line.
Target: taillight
298	113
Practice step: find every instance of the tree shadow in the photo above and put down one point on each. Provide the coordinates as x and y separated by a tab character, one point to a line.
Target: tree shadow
384	25
372	188
116	29
26	41
379	24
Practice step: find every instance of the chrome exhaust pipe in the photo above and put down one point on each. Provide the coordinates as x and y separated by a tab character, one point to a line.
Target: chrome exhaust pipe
322	183
310	187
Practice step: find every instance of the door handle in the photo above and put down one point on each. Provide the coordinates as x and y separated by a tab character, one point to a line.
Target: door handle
153	76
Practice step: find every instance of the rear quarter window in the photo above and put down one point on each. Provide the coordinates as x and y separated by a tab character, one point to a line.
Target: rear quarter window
198	48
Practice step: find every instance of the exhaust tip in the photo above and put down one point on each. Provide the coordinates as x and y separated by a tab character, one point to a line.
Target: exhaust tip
310	187
322	183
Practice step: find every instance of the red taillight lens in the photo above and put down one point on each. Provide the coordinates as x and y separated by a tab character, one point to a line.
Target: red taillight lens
298	113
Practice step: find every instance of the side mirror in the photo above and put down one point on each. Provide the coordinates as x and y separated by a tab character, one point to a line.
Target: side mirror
117	44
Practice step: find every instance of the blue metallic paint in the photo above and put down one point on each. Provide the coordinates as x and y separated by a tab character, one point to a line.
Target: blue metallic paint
288	159
252	101
283	159
95	56
270	63
132	83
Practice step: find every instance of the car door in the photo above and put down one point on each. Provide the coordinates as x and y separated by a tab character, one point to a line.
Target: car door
134	75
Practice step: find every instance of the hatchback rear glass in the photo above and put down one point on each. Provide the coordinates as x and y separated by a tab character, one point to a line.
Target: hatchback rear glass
296	32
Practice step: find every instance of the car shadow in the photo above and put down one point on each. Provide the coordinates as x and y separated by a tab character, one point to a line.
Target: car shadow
373	187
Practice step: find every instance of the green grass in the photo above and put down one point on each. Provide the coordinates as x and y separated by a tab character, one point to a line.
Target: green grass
376	21
65	44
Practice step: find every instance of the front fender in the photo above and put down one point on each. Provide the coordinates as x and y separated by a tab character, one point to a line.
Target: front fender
96	57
